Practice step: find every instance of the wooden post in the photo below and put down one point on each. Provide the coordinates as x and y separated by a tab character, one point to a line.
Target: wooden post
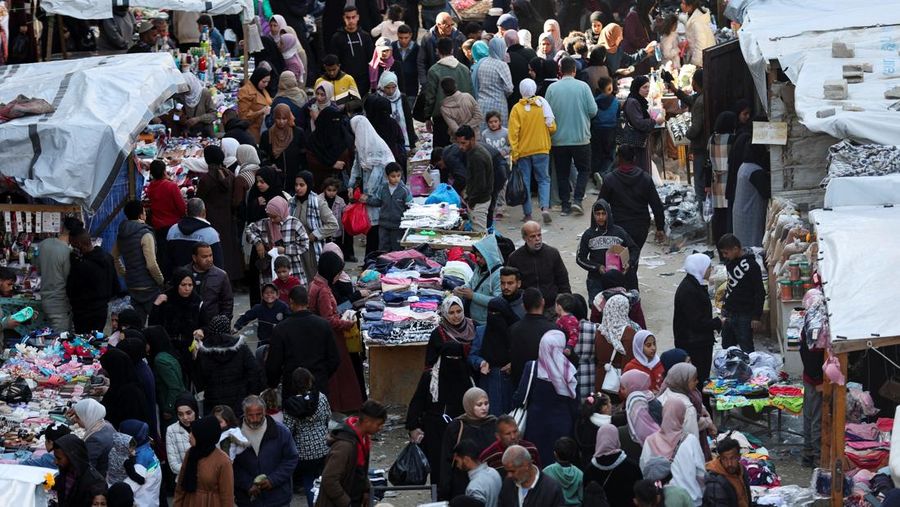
246	52
827	403
62	39
51	21
839	420
34	33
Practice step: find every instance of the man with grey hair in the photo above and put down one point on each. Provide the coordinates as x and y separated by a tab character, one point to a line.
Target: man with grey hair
192	229
525	485
541	266
263	471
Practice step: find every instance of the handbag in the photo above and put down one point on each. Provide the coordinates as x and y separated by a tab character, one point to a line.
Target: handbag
613	376
627	135
520	414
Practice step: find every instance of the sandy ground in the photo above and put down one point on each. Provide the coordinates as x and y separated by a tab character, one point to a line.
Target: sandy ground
659	276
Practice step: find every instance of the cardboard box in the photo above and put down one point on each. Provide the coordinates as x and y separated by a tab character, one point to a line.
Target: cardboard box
617	257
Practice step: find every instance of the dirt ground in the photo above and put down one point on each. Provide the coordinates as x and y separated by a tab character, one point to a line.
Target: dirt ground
659	274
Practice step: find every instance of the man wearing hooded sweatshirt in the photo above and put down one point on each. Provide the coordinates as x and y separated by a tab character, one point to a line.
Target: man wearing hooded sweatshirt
77	482
629	190
692	323
91	283
345	479
135	258
354	49
595	241
190	230
433	94
485	282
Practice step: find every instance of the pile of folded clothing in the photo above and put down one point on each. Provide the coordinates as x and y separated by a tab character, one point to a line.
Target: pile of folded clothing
868	445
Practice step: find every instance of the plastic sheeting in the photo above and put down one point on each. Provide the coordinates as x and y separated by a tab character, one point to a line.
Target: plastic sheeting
22	485
102	9
863	191
102	103
859	251
799	36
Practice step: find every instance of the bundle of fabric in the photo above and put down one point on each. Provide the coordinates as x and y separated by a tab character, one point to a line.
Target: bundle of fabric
24	106
847	159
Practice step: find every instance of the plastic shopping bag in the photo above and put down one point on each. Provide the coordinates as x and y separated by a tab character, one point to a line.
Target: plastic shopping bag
411	467
516	195
707	209
356	218
443	193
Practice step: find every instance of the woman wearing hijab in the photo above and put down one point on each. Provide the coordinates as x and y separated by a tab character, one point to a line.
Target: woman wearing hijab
282	231
268	185
315	215
454	327
248	166
753	189
681	388
531	124
135	346
290	53
229	147
98	432
372	154
342	386
646	358
225	368
166	370
637	32
637	114
611	469
492	81
78	482
617	60
720	155
617	333
594	33
635	387
284	144
178	434
551	26
290	93
177	311
475	424
382	61
199	113
207	477
552	397
215	188
322	98
546	47
331	144
378	111
693	323
389	88
676	444
254	102
124	399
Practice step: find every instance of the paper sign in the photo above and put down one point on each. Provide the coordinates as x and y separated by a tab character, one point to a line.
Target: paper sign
7	221
50	222
38	218
770	132
28	217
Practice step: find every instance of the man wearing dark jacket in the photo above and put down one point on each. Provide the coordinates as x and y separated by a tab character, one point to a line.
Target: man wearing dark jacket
744	295
727	483
525	335
345	479
693	323
211	284
236	128
629	190
428	53
302	339
541	265
519	56
271	454
595	241
406	51
135	257
354	48
92	282
480	181
697	133
524	479
190	230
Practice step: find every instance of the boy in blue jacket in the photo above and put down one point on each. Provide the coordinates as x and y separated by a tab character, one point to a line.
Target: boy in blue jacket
268	314
392	198
603	130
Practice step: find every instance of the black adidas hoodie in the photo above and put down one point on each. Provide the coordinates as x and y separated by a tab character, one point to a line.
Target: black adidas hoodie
745	293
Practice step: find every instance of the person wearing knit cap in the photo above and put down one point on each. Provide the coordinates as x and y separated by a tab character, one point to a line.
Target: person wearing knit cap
207	476
506	22
178	434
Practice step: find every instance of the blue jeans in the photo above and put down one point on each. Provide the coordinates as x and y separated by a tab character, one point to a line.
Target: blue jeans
540	164
499	390
738	331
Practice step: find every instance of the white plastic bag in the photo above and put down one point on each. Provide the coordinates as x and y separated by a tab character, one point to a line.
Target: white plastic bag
707	209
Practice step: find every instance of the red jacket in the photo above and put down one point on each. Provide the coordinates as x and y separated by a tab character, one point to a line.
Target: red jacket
657	374
167	206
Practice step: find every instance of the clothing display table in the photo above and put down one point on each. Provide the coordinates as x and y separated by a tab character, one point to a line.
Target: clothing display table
394	371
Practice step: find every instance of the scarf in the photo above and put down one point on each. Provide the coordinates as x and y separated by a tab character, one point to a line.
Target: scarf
497	49
335	249
364	442
277	206
331	137
464	332
636	385
635	93
480	51
470	398
377	65
611	36
371	150
289	46
206	433
396	100
664	443
289	88
615	320
313	217
696	265
282	24
229	148
527	88
551	26
195	89
554	366
121	462
607	441
637	347
255	436
678	380
248	160
186	399
736	481
281	137
92	414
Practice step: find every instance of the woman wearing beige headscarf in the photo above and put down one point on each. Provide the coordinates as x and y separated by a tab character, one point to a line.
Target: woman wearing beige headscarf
284	144
477	425
616	58
291	93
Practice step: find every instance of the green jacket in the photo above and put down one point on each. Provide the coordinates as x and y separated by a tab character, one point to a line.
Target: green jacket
169	383
434	95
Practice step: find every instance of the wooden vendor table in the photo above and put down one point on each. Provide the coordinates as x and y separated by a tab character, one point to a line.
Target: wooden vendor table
394	371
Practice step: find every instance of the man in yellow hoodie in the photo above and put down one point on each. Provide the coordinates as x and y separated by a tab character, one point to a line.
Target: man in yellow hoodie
531	123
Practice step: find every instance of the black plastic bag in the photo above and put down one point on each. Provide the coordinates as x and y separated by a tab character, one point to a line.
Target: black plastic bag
515	189
411	467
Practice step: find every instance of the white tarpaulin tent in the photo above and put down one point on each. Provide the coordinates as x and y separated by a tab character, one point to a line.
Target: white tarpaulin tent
102	103
799	36
863	191
859	251
102	9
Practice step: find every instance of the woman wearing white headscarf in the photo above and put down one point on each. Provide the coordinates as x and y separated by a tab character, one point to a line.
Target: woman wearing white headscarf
229	147
551	26
646	359
199	112
617	333
531	123
372	154
492	81
693	323
98	432
389	88
552	396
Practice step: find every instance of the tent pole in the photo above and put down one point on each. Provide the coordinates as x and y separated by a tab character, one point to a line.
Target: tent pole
51	22
246	52
839	420
34	32
827	403
62	39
